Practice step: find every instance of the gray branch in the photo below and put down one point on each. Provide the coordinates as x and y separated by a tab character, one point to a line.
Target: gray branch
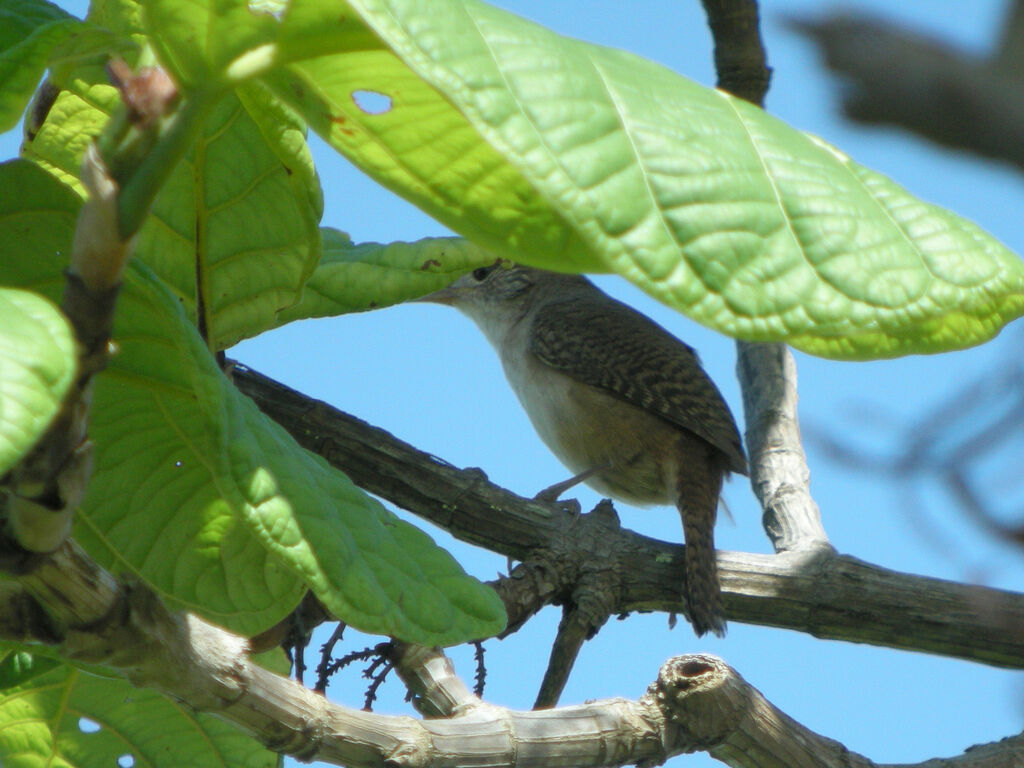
809	589
778	468
697	702
897	77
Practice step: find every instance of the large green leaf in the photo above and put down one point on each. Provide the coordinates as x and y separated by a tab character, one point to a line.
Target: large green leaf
56	715
355	278
29	31
212	503
572	156
37	348
369	105
183	451
567	155
163	502
367	566
703	200
234	230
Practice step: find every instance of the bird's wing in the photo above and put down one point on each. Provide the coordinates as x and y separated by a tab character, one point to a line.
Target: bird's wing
627	354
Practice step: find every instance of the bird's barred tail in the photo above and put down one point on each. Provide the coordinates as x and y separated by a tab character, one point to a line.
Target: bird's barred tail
699	489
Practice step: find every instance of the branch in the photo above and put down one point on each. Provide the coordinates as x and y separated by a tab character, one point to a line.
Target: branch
740	61
943	94
951	443
810	590
1009	53
696	703
767	372
129	630
778	470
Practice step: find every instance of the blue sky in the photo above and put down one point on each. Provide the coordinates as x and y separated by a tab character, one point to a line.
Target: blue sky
425	374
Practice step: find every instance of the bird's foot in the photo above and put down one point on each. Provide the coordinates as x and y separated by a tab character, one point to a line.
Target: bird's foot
553	492
550	496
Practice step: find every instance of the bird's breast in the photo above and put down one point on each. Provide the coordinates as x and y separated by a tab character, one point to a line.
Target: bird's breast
587	428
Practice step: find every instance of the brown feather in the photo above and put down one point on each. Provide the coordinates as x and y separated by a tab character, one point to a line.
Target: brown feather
634	358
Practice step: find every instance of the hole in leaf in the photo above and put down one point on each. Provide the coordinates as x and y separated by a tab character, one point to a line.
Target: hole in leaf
85	725
372	102
126	761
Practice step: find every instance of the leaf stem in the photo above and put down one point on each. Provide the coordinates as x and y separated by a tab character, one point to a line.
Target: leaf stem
141	189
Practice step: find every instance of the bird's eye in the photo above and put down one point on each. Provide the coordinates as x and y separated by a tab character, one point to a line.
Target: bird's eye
480	273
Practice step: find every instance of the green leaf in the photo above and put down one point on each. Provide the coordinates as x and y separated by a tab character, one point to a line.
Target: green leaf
122	17
89	44
210	502
163	503
37	347
198	40
156	503
76	117
29	31
366	566
234	230
567	155
56	715
218	473
414	140
37	366
355	278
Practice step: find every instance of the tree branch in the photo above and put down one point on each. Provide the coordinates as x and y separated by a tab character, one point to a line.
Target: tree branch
950	444
778	468
696	703
1009	53
767	373
815	591
901	78
740	61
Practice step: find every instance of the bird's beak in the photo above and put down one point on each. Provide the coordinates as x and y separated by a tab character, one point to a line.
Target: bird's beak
456	293
445	295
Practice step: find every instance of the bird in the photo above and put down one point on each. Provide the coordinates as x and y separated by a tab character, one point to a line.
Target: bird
623	403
